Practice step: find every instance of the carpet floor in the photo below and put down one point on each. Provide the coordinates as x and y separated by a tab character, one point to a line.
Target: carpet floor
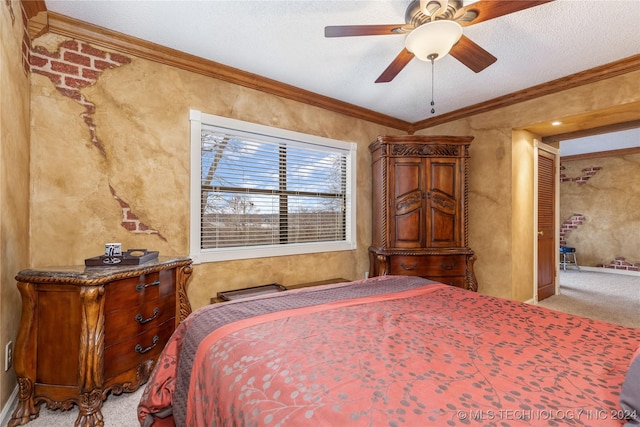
610	297
117	411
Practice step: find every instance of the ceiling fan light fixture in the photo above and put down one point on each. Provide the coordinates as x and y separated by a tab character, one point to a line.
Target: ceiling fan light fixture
433	39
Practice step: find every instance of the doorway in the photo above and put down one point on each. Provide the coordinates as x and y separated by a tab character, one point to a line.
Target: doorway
599	199
553	134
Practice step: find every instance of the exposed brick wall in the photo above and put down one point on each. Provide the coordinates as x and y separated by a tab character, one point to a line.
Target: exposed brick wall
570	224
577	220
621	264
589	203
130	220
587	173
74	66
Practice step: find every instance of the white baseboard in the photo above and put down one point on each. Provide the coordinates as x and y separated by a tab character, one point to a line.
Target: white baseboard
5	415
607	270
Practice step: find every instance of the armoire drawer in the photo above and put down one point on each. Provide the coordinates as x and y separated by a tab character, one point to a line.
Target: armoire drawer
428	265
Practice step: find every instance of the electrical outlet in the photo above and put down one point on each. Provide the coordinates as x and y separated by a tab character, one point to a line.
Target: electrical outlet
366	274
8	356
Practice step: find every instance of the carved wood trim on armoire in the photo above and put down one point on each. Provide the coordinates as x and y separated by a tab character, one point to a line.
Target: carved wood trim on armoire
420	208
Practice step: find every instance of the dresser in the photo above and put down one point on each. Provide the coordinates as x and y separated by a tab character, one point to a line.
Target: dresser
419	200
86	332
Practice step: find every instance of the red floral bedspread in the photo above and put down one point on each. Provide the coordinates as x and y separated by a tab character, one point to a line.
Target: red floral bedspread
434	355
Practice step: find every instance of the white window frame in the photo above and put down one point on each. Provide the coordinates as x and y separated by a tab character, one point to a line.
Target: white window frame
199	255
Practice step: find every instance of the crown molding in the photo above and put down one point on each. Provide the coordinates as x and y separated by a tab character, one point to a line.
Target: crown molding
35	14
33	7
592	75
69	27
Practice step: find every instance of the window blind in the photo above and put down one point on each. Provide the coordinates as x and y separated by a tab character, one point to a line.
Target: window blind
260	190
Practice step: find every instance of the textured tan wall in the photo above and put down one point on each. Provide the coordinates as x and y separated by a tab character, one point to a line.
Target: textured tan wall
14	181
142	121
495	159
490	204
522	199
610	202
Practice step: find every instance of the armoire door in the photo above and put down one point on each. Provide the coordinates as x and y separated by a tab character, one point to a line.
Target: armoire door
406	195
444	201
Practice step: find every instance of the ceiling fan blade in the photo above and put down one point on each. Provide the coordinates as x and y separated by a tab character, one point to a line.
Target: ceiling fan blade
489	9
396	66
472	55
364	30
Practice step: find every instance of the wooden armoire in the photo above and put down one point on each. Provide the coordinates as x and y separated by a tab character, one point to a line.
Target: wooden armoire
420	186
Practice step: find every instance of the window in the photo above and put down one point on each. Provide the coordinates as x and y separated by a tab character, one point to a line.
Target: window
258	191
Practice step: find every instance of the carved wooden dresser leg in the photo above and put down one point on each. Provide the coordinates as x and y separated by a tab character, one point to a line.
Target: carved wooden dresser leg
26	410
90	409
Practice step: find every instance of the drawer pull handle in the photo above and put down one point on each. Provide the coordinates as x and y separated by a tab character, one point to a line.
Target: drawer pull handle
448	267
415	265
140	287
141	350
142	321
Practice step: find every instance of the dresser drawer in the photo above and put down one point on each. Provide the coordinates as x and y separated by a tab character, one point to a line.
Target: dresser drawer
136	290
130	321
428	265
128	354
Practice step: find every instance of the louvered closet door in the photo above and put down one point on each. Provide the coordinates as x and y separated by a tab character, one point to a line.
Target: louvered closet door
406	229
444	203
546	229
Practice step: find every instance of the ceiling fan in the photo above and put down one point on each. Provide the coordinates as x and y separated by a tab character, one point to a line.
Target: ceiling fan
422	16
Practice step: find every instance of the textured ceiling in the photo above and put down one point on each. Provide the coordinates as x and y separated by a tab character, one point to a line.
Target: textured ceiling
284	40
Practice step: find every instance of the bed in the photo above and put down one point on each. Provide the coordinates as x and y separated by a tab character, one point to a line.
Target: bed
392	351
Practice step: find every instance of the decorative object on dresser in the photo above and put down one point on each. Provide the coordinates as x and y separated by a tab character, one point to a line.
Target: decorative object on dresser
87	332
130	257
420	186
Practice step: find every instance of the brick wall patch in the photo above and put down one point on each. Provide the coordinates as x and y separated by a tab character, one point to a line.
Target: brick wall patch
620	263
130	220
74	66
570	224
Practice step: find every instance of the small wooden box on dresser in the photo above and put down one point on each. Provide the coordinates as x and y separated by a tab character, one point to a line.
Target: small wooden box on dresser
420	186
88	331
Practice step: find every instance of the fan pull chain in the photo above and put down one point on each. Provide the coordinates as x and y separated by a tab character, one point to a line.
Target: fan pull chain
432	57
